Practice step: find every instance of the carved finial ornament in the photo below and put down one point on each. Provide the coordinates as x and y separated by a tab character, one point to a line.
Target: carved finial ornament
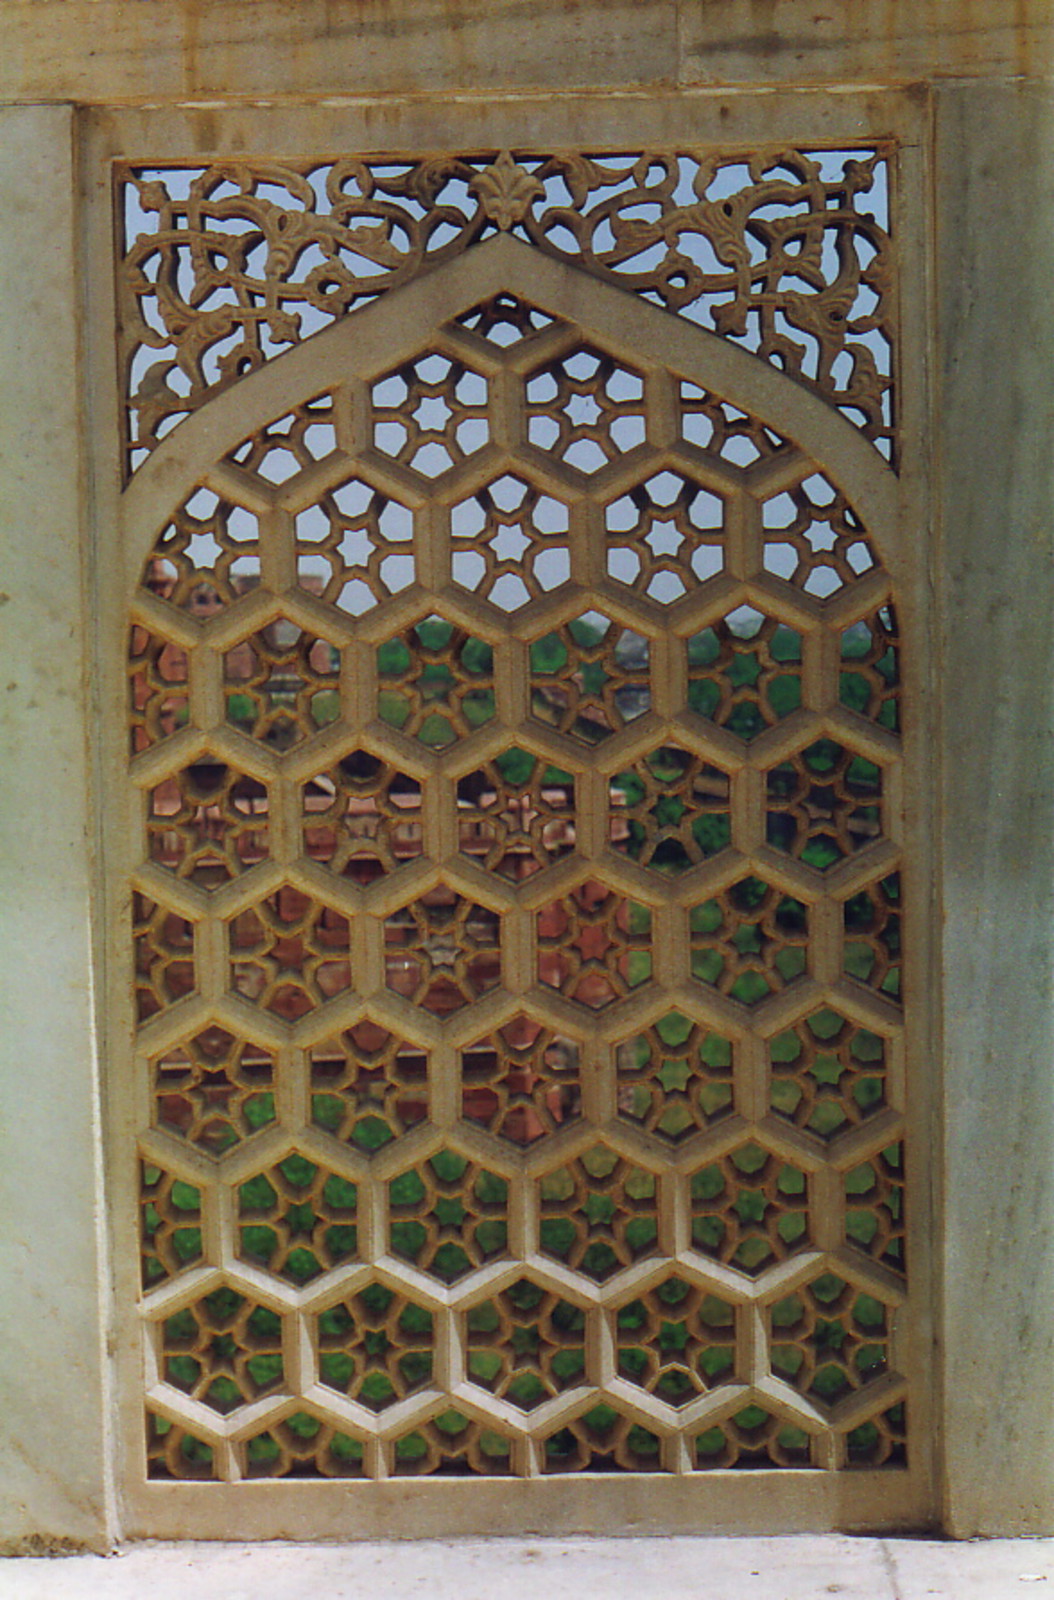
505	191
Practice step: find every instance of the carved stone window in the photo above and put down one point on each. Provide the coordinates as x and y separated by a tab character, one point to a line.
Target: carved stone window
514	714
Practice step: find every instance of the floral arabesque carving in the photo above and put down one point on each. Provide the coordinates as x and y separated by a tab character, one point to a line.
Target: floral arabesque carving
787	251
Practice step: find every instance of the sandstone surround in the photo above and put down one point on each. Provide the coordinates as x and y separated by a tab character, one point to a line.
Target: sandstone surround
131	51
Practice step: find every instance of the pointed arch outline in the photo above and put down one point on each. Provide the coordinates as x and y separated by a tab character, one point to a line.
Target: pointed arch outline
395	326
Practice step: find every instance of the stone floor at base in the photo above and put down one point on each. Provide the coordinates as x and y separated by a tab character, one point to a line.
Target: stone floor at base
806	1567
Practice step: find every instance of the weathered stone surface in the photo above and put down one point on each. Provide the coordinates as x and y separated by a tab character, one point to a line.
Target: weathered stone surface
563	1569
883	41
51	1427
104	50
996	502
94	50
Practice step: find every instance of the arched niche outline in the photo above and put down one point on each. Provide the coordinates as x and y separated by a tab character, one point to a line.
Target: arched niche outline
395	327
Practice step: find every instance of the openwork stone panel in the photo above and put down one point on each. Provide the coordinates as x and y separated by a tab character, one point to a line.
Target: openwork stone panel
516	915
788	252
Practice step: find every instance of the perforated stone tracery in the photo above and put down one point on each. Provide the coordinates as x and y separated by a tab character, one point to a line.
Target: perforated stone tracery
518	968
788	252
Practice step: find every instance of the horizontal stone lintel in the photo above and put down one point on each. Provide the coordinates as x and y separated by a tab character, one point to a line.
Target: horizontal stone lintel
103	51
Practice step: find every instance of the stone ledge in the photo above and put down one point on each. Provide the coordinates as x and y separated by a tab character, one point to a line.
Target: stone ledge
113	51
798	1568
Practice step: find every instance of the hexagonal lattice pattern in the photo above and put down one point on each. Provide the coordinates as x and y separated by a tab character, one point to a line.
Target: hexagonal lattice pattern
749	941
872	949
164	956
752	1437
505	320
169	1224
675	1341
509	543
430	413
712	424
874	1200
442	951
824	803
213	1089
448	1215
585	408
881	1441
376	1346
297	1220
452	1443
744	671
302	1446
522	1081
589	678
362	817
814	539
282	684
827	1074
665	536
674	1078
175	1452
749	1208
594	946
436	683
670	810
368	1086
207	556
281	449
354	547
869	682
526	1344
829	1338
599	1440
516	892
289	953
599	1213
207	822
516	814
224	1350
158	700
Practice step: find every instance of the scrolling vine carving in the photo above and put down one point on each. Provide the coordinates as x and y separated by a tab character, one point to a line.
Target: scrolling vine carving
786	251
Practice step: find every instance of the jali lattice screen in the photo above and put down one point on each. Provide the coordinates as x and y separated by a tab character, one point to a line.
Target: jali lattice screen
517	933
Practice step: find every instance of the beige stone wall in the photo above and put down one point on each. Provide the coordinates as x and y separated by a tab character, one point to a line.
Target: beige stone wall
52	1278
994	565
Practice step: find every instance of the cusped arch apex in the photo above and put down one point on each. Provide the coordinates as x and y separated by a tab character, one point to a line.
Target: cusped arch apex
400	325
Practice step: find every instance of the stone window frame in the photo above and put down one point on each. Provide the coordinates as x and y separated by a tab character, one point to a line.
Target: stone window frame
169	134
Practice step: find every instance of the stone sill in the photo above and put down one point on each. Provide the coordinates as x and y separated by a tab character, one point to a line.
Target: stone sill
805	1567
